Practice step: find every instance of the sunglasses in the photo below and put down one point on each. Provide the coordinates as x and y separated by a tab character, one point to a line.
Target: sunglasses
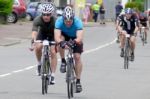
45	14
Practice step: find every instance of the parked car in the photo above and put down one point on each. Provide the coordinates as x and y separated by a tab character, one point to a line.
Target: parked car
19	10
34	10
59	11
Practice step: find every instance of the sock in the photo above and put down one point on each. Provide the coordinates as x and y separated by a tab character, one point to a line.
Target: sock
53	74
39	63
63	60
78	81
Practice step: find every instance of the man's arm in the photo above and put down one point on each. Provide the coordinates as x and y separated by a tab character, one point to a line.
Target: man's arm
34	30
136	27
79	35
34	35
57	34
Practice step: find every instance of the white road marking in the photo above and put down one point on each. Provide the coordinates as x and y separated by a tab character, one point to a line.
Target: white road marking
30	67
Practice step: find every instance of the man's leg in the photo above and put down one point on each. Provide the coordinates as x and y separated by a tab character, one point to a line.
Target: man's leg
63	61
53	62
38	53
78	70
145	31
122	43
133	40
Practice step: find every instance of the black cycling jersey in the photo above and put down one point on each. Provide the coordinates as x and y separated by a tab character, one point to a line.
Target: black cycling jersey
143	21
43	28
119	18
129	24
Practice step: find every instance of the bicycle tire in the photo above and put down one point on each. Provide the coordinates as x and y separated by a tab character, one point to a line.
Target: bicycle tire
70	78
69	89
126	55
143	38
43	84
45	79
46	85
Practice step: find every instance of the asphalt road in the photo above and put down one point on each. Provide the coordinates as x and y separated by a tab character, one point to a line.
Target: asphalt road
103	75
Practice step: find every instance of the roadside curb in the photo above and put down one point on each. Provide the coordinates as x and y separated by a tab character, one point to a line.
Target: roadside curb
9	42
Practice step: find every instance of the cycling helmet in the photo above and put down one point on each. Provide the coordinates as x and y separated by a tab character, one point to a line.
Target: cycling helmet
128	11
47	8
68	13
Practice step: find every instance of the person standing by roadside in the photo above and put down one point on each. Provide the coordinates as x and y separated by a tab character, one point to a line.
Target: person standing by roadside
95	9
86	13
118	9
102	14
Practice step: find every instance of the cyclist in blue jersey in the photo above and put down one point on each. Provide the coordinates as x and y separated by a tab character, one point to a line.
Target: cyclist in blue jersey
70	27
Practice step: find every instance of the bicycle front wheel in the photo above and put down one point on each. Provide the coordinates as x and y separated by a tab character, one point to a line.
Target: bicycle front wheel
45	76
70	89
126	57
143	38
43	84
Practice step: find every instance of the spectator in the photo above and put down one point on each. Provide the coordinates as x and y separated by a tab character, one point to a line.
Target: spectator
86	13
102	14
118	9
95	9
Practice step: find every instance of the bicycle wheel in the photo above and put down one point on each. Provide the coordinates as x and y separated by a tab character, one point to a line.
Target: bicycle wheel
70	79
143	38
43	84
45	73
70	89
126	56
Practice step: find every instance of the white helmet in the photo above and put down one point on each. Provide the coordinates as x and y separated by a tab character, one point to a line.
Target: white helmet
48	8
68	13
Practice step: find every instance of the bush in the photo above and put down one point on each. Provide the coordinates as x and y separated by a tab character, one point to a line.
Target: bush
135	5
5	7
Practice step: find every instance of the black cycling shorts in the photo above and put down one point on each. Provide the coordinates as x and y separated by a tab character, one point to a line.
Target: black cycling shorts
144	24
131	32
78	48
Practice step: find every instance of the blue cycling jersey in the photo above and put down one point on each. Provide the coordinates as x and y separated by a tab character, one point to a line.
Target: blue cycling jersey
69	31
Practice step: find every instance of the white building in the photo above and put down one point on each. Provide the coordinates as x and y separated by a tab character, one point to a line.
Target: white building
147	4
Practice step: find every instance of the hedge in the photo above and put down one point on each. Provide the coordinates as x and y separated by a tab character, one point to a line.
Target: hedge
5	7
135	5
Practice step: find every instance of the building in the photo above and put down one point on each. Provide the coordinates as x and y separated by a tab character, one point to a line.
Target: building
147	4
109	6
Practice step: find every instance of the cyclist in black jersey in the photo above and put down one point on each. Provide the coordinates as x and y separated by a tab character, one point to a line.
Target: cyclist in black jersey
144	23
129	25
43	28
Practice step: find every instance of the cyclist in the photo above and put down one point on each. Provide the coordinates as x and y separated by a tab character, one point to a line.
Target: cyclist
144	23
70	27
129	26
43	28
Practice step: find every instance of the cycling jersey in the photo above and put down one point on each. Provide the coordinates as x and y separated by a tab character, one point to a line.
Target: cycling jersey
129	25
69	31
119	18
143	21
45	30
